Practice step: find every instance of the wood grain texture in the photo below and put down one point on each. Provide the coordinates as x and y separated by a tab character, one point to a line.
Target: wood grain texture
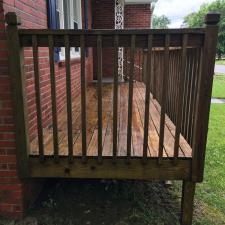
187	202
137	137
109	170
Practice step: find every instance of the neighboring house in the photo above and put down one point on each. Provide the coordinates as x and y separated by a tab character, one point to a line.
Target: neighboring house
15	194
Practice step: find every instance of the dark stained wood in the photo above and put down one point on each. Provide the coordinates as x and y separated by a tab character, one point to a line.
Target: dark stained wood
147	96
38	97
163	96
196	37
99	71
69	100
187	202
83	98
53	98
16	62
108	170
181	97
130	98
115	95
204	100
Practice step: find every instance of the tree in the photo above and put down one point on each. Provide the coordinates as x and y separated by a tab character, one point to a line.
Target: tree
197	20
160	22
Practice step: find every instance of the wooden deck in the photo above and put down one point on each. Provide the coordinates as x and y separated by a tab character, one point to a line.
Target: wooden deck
92	129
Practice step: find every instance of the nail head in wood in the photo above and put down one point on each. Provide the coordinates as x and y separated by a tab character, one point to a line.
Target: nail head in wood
212	18
12	19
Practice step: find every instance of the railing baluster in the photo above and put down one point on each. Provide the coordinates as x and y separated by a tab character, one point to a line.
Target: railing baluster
130	97
83	99
53	98
69	100
115	96
99	72
38	97
164	97
180	97
147	97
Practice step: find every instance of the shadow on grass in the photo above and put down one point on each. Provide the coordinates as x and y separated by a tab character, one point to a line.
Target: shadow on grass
67	202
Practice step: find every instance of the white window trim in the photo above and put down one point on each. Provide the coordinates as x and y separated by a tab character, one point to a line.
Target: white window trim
73	54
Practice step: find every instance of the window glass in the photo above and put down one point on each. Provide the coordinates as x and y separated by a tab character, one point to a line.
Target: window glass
69	17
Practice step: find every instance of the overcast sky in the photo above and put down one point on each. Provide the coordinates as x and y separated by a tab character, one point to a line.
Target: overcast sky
175	10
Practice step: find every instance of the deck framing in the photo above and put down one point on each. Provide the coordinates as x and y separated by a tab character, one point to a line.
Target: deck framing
108	169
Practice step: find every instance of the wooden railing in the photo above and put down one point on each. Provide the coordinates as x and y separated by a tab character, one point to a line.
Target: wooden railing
178	72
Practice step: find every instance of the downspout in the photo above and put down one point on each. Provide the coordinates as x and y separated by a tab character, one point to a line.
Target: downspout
86	14
86	19
152	7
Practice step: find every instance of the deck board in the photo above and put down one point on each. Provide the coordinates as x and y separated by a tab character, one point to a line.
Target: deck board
107	126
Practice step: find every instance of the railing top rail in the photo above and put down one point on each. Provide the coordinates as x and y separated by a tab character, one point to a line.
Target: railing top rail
195	37
111	31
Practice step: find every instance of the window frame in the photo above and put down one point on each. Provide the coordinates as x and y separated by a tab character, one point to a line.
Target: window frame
61	10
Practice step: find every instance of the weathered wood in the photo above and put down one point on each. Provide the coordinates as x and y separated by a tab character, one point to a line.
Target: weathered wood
163	96
99	72
38	98
19	96
115	96
147	96
109	170
180	97
53	98
195	37
204	97
69	100
107	125
187	202
130	98
83	98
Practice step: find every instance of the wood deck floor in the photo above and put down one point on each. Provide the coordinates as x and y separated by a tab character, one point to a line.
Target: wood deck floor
92	127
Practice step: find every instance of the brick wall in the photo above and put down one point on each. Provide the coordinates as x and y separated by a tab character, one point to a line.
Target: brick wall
15	194
103	18
137	16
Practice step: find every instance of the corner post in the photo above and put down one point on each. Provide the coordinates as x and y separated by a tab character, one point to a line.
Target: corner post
204	95
16	70
187	202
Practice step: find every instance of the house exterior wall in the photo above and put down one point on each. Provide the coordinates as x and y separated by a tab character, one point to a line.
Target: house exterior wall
135	16
103	18
15	194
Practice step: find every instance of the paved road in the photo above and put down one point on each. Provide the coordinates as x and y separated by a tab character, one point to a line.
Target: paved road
219	69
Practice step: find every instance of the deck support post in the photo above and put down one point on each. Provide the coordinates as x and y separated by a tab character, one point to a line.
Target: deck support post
16	70
204	96
187	202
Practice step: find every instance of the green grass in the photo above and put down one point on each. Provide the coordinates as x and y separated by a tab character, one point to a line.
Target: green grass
218	86
220	62
210	195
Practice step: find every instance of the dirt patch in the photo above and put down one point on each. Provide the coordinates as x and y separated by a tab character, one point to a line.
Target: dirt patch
87	202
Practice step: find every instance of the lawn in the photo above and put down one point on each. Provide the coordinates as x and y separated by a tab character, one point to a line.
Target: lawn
218	86
220	62
210	194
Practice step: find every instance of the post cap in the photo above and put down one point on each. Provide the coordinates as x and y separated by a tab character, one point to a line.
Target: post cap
12	19
212	18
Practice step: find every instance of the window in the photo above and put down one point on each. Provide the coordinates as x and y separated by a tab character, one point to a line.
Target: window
68	14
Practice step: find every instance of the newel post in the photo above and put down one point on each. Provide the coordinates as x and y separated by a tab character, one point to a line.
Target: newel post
16	70
204	95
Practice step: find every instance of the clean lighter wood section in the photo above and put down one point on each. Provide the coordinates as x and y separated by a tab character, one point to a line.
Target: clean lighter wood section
107	126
